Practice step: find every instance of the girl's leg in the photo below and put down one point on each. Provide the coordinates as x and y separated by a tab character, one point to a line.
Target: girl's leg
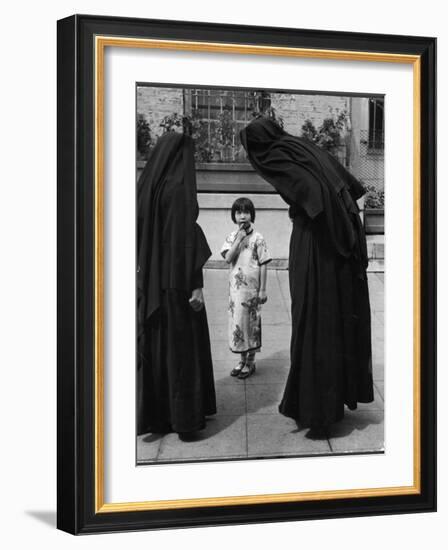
249	367
250	357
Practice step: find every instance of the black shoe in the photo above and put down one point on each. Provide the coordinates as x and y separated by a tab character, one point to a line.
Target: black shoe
237	370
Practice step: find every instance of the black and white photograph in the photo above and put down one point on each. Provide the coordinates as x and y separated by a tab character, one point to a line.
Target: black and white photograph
223	285
260	273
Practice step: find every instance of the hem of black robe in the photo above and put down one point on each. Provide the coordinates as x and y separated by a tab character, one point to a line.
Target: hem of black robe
168	428
365	394
308	423
354	405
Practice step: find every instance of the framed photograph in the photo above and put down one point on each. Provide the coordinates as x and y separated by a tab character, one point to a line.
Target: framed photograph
246	274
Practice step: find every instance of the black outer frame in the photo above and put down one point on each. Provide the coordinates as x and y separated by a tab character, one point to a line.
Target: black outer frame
75	172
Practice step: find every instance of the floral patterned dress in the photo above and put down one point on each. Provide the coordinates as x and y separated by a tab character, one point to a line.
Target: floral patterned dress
244	286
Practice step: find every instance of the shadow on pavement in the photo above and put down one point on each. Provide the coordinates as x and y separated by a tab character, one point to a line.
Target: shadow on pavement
281	356
152	437
355	421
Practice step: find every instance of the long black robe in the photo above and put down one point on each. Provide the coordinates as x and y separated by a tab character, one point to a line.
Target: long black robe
175	386
330	311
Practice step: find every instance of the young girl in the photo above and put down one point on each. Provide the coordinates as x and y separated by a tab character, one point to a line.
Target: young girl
246	252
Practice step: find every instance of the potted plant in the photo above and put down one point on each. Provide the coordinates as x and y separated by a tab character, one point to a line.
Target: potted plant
374	210
329	135
144	138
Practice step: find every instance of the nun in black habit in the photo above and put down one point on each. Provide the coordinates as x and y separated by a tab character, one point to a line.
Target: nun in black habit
175	386
330	311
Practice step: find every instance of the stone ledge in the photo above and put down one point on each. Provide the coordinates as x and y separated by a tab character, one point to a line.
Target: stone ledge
277	264
375	251
224	201
224	167
375	247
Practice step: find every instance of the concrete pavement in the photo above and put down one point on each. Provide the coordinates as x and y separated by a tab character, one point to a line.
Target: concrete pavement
247	424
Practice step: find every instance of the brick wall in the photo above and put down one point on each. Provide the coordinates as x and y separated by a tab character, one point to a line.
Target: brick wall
156	103
295	109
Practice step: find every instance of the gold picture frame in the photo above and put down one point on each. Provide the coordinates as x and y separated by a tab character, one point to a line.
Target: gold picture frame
81	35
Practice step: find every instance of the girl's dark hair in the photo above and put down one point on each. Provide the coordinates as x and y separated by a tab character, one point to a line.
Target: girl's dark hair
243	204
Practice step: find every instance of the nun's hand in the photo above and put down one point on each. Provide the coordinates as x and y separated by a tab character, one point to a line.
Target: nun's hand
197	300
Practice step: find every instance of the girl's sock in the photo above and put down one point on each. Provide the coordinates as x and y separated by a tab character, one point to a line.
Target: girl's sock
250	357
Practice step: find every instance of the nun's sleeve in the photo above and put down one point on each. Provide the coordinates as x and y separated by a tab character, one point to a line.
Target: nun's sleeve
355	187
198	279
202	254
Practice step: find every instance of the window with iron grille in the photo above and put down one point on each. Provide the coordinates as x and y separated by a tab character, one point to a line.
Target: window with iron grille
376	124
217	116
